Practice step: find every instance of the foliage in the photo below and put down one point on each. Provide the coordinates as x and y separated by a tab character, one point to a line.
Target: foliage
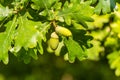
26	27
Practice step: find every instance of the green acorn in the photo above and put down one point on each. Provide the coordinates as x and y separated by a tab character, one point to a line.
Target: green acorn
49	49
53	41
63	31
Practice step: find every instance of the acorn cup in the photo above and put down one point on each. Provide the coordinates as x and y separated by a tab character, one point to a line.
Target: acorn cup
63	31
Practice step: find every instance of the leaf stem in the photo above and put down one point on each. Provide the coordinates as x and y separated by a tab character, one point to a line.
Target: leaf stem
3	22
54	23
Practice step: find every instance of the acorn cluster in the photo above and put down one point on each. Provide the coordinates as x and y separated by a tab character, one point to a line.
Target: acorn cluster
53	42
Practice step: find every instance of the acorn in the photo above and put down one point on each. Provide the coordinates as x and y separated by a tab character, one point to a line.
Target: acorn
49	49
63	31
53	41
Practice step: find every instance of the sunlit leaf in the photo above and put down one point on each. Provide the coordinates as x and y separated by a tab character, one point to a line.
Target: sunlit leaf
115	26
4	12
26	34
6	39
114	61
94	52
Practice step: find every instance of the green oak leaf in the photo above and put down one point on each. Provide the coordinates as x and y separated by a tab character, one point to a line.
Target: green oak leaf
24	55
115	26
114	61
111	41
43	29
30	34
6	2
33	53
100	34
94	52
105	6
42	4
26	34
74	50
4	12
6	39
79	12
81	37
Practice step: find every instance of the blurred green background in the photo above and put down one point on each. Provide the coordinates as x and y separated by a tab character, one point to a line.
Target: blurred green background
106	33
51	67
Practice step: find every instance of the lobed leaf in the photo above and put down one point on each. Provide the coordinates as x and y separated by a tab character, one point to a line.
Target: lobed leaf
4	12
114	61
105	6
42	4
6	39
43	29
74	50
94	52
78	12
26	34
